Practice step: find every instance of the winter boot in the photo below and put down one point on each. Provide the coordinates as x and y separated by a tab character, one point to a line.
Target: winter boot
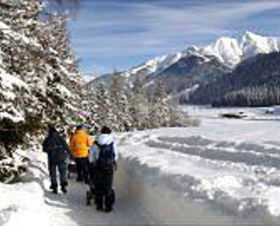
53	187
99	207
108	209
55	190
63	189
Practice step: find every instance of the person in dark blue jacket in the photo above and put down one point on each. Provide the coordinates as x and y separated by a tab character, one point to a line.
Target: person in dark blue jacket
58	152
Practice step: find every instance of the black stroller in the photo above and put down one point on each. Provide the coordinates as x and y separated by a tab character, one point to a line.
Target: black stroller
93	177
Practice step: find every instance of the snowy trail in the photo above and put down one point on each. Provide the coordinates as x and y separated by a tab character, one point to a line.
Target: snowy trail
71	209
141	200
138	203
32	203
241	155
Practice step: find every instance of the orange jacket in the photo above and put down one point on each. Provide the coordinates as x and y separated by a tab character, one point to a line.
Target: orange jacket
80	144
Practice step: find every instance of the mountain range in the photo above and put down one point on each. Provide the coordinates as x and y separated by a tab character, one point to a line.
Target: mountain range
229	51
183	72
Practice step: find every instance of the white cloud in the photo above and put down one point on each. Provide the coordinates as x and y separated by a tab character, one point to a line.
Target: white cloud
157	29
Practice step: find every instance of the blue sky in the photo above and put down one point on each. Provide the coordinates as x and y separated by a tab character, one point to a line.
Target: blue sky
112	35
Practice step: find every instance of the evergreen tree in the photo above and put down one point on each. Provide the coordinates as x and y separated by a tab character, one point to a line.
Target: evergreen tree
139	106
39	78
119	103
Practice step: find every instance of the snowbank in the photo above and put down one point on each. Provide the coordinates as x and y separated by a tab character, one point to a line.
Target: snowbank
233	164
23	203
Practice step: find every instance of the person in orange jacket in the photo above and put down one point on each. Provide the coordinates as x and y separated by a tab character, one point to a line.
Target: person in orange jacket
80	144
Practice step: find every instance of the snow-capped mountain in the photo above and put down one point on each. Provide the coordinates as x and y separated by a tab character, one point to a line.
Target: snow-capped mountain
253	44
198	65
157	64
229	51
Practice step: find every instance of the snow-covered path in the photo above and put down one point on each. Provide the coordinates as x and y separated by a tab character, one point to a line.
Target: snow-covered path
31	203
71	210
138	203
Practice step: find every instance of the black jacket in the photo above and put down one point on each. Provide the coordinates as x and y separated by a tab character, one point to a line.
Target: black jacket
56	148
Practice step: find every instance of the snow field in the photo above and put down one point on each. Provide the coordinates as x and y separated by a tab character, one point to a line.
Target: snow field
233	164
23	203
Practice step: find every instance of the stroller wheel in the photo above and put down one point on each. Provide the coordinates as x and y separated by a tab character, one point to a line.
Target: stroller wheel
88	198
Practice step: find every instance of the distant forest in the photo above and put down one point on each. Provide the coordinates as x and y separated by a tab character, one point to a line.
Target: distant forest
255	82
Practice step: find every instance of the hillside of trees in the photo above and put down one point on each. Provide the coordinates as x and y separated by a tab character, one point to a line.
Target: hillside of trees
255	82
128	107
189	71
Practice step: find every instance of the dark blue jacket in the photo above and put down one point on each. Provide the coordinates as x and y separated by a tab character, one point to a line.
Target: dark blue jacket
56	148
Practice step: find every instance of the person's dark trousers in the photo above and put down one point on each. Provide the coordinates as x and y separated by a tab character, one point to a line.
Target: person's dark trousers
104	191
109	195
79	169
82	169
62	169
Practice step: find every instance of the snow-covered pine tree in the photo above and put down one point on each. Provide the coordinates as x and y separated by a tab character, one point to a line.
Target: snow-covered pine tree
103	105
164	111
119	108
158	106
131	106
39	79
96	103
139	105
